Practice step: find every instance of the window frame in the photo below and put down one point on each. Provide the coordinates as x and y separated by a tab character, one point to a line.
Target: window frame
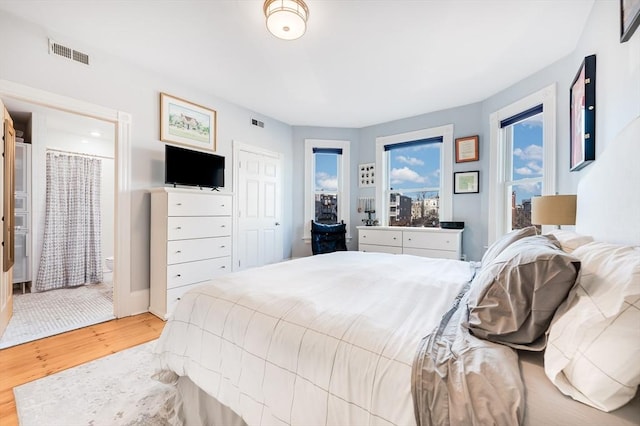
499	200
344	182
445	211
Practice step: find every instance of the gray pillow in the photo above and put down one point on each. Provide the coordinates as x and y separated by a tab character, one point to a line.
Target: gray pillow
512	299
505	241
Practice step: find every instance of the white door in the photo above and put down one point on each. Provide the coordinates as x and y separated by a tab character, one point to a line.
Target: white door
258	191
6	283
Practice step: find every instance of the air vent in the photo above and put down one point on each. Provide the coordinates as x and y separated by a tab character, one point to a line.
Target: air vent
257	122
67	52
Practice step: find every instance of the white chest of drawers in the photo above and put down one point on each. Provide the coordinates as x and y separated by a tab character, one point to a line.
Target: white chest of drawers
426	242
190	243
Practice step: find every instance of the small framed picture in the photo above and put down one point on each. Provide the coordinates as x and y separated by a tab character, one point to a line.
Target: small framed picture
367	175
467	149
466	182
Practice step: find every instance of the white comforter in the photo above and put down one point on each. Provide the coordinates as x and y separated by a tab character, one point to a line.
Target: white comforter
328	339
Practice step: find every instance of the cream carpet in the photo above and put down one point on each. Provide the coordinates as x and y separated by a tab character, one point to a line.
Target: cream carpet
116	390
38	315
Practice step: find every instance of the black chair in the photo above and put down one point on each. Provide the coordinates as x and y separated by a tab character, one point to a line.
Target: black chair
327	238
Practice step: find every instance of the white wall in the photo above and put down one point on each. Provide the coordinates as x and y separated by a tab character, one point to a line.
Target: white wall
116	84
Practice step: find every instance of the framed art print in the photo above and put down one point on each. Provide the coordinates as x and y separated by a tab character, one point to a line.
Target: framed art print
367	175
466	182
467	149
186	123
582	119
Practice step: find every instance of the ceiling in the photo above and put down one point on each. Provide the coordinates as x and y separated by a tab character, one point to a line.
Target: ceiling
361	62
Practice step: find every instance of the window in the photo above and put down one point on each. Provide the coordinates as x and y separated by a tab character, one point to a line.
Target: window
326	182
413	189
522	160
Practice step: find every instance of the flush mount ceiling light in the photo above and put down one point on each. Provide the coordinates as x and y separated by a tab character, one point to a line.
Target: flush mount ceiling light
286	19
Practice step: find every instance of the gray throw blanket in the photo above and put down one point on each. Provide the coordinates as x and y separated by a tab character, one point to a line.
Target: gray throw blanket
458	379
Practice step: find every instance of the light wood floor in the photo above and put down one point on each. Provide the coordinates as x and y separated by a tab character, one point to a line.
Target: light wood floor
34	360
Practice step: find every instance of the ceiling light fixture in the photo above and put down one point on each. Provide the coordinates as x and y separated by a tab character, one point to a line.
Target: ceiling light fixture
95	134
286	19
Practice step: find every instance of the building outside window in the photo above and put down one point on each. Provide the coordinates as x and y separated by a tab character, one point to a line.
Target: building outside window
525	166
326	183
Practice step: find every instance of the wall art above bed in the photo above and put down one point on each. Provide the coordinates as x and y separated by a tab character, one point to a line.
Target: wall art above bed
582	118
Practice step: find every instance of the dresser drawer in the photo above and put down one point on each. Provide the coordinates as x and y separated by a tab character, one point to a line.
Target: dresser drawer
179	251
443	254
379	237
430	240
194	272
380	249
182	228
184	204
174	295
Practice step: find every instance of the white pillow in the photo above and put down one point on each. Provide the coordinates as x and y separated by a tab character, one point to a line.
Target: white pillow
593	350
570	240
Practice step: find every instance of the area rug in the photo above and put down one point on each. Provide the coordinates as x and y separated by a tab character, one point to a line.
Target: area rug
111	391
38	315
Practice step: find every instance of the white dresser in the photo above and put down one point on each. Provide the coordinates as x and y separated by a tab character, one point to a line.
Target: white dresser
426	242
190	242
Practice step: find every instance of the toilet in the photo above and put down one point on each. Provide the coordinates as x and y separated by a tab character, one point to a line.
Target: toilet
107	275
109	263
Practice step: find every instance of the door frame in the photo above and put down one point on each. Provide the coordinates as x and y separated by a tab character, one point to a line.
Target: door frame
125	302
237	147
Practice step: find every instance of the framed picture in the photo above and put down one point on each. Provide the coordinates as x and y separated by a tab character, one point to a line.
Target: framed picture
466	182
582	119
629	18
467	149
367	175
186	123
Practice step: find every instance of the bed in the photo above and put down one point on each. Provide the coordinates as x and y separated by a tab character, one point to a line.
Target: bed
353	338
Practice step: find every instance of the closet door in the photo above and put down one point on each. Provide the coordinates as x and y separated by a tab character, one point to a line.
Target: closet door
6	284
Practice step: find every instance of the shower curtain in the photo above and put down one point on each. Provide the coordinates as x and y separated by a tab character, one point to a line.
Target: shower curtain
71	251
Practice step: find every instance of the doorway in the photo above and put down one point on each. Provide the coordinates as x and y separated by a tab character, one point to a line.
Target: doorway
47	135
126	301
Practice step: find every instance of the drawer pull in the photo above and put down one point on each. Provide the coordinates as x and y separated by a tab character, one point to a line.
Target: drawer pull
364	236
178	275
178	204
178	227
394	238
223	226
178	251
407	238
222	246
222	267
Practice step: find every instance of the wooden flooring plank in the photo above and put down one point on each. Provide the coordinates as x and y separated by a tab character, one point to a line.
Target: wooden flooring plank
34	360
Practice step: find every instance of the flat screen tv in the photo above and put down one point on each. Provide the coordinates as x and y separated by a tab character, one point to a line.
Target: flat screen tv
192	168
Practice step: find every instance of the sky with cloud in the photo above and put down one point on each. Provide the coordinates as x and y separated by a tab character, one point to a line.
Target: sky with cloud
415	168
527	157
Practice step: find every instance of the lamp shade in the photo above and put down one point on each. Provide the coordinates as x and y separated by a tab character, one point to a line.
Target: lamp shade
286	19
553	210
